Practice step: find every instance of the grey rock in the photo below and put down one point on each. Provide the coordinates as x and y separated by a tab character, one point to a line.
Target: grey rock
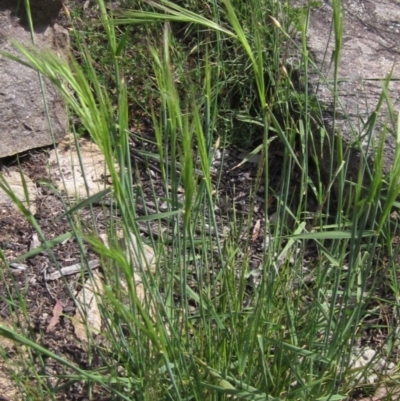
369	53
370	365
23	121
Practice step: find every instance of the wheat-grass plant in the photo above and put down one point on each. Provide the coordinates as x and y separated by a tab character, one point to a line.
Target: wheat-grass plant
199	332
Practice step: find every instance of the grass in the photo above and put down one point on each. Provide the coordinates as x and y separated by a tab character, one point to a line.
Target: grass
213	70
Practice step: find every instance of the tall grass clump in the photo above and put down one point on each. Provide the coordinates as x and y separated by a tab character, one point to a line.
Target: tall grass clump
198	331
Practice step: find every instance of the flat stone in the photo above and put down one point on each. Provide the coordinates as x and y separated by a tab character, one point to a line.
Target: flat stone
79	174
371	36
23	121
22	187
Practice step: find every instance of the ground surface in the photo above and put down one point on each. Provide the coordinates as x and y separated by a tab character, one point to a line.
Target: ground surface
28	277
41	295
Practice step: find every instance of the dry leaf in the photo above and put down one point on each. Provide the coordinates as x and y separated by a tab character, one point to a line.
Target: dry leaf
73	269
148	253
35	243
138	256
134	251
67	169
88	308
256	230
57	311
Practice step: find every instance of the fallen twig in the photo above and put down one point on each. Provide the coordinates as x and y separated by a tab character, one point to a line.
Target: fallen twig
68	270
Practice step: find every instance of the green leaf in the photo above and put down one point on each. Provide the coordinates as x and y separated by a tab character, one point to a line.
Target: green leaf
158	216
303	352
332	235
88	201
335	397
122	43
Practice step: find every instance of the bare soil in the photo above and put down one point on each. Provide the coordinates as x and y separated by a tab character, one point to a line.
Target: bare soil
27	278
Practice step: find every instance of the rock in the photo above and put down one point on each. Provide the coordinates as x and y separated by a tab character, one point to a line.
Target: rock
369	52
22	187
23	121
87	318
369	365
79	174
